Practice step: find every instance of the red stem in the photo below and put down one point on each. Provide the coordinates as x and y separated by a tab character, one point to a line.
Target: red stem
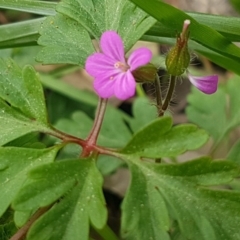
22	232
101	108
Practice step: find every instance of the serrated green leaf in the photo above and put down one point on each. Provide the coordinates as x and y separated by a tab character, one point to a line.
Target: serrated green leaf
64	41
159	139
15	163
144	213
23	90
80	184
22	105
99	16
179	190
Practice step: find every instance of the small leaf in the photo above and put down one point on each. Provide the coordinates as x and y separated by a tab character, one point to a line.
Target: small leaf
80	184
159	139
179	191
15	163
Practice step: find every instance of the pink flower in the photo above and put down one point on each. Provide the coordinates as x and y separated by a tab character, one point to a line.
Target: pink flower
112	72
207	84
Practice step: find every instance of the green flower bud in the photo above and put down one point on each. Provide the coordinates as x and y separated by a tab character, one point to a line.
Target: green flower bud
178	58
146	73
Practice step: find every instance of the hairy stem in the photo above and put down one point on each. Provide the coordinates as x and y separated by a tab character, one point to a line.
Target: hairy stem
101	108
158	96
170	92
93	135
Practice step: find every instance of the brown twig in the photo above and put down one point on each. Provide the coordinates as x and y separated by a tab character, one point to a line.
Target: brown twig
22	232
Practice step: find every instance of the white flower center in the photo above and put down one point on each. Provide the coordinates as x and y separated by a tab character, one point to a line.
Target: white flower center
124	67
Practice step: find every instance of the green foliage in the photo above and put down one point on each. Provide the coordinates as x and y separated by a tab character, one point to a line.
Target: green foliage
21	101
197	199
159	139
14	166
80	183
180	192
58	32
97	17
222	106
164	13
142	118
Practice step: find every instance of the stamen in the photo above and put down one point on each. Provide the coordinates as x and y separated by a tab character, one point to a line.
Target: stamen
124	67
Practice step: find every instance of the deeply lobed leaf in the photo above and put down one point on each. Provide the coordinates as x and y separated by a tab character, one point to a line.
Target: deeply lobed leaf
159	139
80	185
179	191
15	163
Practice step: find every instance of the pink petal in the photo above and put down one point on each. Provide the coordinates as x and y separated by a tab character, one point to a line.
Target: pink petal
112	45
104	86
207	84
125	85
139	57
99	63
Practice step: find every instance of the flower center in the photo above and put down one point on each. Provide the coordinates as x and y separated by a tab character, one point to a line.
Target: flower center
122	66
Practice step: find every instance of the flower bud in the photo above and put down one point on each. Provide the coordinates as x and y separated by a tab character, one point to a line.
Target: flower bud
178	58
146	73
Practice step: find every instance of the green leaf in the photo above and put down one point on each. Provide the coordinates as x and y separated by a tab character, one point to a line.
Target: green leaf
37	7
14	125
179	191
98	16
23	90
225	103
64	41
174	18
80	184
159	139
15	163
22	104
